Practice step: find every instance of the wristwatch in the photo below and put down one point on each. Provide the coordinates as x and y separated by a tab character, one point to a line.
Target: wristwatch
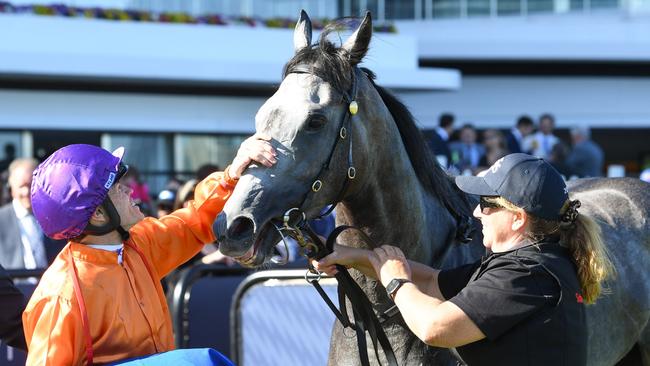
395	285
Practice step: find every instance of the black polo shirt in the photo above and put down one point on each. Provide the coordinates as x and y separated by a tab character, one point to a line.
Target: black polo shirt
528	304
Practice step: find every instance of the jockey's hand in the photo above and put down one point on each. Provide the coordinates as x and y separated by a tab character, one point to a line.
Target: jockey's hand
389	262
255	148
342	255
217	257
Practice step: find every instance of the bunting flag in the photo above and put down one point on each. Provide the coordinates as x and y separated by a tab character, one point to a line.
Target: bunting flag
61	10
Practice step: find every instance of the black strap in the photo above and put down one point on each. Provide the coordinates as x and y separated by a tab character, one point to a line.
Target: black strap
342	318
114	222
365	319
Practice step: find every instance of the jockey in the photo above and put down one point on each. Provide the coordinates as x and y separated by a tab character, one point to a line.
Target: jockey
101	300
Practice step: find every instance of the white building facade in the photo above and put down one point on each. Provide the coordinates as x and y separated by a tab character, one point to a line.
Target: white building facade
180	95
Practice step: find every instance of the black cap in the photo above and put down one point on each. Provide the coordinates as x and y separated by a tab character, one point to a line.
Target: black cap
530	183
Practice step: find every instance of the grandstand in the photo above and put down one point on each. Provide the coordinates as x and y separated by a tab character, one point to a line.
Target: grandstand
178	83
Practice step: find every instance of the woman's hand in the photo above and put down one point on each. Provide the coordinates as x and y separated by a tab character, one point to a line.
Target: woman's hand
342	255
389	262
255	148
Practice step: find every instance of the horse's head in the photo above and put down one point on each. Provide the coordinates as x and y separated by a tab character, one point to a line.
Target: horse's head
304	118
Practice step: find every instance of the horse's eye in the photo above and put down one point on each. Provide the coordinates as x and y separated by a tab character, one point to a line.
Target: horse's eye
315	122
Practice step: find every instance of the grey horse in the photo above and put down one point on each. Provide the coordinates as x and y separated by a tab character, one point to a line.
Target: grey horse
399	196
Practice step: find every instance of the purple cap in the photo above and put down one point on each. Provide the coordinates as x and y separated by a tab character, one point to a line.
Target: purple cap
69	186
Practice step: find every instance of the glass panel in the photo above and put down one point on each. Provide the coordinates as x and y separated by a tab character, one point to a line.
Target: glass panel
400	9
576	4
10	148
604	4
317	9
508	7
478	7
540	6
197	150
359	7
446	8
151	154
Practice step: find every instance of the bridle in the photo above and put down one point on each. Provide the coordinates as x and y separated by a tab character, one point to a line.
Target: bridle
344	134
294	224
294	220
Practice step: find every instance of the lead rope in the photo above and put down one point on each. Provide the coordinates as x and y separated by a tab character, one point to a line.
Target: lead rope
365	319
72	271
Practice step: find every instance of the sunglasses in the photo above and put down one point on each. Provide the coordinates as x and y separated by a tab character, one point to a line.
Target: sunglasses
486	202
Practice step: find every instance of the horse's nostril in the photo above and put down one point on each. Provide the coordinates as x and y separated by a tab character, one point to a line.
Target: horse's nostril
240	228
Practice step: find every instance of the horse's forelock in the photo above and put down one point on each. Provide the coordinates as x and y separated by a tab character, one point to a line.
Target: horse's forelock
328	61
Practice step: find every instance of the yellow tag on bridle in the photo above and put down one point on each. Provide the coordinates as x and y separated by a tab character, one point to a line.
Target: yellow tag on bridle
354	107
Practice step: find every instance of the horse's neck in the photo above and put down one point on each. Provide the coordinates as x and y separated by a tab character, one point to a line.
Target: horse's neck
394	208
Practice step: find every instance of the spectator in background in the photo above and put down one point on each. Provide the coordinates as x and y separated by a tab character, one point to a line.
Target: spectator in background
586	159
140	189
185	194
165	204
173	184
495	148
210	253
10	155
541	143
515	137
439	141
205	170
12	304
466	153
558	157
645	175
22	242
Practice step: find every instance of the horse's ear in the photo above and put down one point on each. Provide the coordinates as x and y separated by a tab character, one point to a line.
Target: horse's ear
302	33
357	44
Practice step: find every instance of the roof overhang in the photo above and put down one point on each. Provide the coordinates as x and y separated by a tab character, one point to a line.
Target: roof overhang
131	52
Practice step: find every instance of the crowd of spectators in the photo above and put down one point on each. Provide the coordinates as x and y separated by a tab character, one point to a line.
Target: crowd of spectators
465	151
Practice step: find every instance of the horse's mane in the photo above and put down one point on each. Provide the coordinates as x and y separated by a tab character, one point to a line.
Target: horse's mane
331	63
429	173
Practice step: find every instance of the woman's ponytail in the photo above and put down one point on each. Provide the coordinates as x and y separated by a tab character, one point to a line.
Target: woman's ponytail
582	235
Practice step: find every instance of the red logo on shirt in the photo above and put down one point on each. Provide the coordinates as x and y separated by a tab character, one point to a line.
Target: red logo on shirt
579	298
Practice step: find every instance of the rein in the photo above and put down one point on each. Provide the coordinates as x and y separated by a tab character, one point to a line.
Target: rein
311	246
